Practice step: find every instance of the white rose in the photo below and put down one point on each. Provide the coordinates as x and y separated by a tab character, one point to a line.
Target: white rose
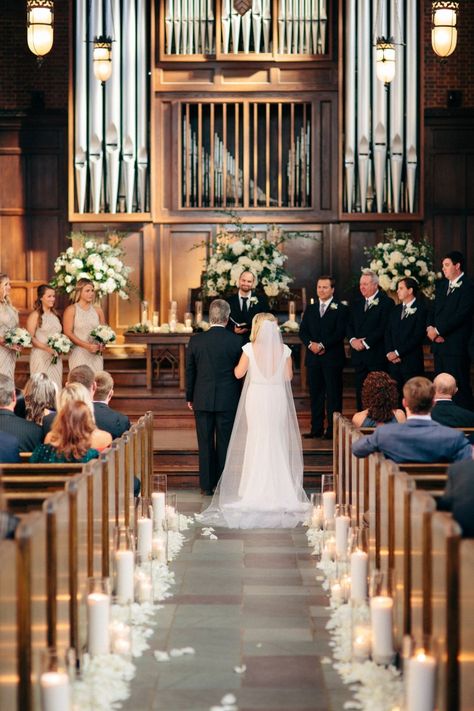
238	247
384	282
68	278
407	272
89	244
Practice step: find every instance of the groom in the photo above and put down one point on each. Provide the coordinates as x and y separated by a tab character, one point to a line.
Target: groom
213	391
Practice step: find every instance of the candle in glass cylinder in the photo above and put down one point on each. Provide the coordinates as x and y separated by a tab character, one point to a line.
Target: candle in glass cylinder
317	517
329	504
158	499
421	683
381	613
144	312
98	619
342	530
291	311
144	536
359	569
55	691
159	549
155	319
361	642
124	561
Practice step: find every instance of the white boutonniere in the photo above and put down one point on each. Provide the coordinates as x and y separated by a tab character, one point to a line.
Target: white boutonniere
253	301
333	306
410	310
374	302
456	285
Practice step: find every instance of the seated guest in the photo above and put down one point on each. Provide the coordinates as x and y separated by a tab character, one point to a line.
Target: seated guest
40	398
28	433
419	439
73	436
9	449
20	408
445	410
458	496
106	418
80	374
379	398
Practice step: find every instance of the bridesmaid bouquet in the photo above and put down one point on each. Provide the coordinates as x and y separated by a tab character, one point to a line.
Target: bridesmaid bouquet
61	344
18	337
102	335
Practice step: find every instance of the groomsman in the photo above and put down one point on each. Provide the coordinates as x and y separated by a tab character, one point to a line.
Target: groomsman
405	334
450	326
322	331
368	317
244	305
213	391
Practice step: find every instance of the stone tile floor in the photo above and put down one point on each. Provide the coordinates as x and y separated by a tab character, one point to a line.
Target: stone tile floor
250	598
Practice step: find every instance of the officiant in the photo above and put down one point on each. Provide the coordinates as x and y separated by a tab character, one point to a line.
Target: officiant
245	304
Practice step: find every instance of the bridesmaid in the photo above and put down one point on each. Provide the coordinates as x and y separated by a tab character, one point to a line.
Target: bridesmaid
79	320
8	320
42	323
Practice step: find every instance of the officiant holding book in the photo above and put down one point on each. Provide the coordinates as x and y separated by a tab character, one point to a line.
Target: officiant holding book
244	305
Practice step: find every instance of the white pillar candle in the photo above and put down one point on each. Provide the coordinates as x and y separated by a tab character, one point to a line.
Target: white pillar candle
98	619
329	504
421	683
317	517
346	587
144	536
124	561
188	322
55	691
159	549
361	642
158	503
359	570
145	590
381	613
330	547
173	323
336	593
342	531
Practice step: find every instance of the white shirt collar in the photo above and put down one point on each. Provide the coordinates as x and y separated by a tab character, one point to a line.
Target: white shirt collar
326	303
245	296
418	417
374	296
454	281
410	303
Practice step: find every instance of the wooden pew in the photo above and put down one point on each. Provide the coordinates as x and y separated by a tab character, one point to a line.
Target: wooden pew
387	510
8	626
422	507
403	488
466	626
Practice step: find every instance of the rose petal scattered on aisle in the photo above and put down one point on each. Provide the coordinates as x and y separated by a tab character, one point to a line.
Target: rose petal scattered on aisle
240	670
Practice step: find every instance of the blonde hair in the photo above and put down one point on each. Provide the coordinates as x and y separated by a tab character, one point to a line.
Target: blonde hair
76	392
79	287
257	321
3	278
104	384
40	394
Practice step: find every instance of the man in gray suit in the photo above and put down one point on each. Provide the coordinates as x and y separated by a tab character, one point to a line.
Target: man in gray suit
419	439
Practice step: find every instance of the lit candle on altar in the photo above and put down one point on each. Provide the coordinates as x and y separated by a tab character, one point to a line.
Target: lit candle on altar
359	569
155	319
144	312
342	530
361	642
144	536
158	503
329	504
198	311
381	613
98	618
124	561
421	683
55	691
291	311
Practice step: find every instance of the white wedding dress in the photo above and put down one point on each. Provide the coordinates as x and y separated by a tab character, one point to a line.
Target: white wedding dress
262	482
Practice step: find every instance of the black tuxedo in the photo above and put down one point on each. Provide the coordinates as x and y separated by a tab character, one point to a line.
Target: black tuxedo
452	317
27	433
237	315
214	392
369	325
458	496
406	336
9	448
448	413
110	420
324	371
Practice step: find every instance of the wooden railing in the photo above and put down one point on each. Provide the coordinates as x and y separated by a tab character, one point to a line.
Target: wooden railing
430	566
68	514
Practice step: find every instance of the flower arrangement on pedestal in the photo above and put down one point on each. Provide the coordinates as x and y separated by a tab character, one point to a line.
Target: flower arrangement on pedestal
239	249
95	259
399	256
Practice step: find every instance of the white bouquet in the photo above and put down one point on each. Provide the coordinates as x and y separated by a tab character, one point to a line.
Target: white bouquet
94	259
61	344
290	327
18	337
102	334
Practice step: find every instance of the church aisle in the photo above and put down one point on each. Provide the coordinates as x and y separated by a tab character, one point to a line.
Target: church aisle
249	599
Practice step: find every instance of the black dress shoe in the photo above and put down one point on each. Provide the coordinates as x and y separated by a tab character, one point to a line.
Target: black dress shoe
207	492
312	435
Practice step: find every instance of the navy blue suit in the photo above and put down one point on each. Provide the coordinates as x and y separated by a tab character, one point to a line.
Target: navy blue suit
416	440
28	433
237	315
458	496
406	336
9	448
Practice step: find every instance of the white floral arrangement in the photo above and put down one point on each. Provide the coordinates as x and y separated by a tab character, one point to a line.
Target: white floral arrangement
102	334
94	259
399	256
240	249
60	344
19	337
290	327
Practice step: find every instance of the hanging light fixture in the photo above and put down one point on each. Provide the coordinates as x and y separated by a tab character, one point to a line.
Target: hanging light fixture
444	34
385	57
39	23
102	58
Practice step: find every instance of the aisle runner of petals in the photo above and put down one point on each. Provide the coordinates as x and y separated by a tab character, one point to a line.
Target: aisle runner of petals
375	688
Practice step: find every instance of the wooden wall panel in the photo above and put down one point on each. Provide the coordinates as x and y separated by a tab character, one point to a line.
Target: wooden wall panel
12	188
14	247
44	182
184	267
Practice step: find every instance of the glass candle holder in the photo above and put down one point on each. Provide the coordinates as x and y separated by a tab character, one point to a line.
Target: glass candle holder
420	676
124	563
188	320
359	565
198	311
144	526
172	515
144	312
121	637
328	496
317	516
342	527
155	319
98	616
159	488
143	580
291	311
381	615
54	681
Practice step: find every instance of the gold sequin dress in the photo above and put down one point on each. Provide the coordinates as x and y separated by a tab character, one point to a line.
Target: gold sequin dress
41	361
8	320
85	320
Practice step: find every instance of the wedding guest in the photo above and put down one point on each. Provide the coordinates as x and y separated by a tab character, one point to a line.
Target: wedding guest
405	333
368	317
81	374
9	449
106	418
41	395
245	304
451	324
458	496
419	439
322	331
8	320
445	410
28	434
380	398
79	320
42	323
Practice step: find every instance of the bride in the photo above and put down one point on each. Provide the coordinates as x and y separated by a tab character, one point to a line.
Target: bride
262	481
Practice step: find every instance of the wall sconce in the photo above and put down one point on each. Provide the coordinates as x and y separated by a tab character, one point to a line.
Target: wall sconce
39	23
385	59
444	34
102	58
